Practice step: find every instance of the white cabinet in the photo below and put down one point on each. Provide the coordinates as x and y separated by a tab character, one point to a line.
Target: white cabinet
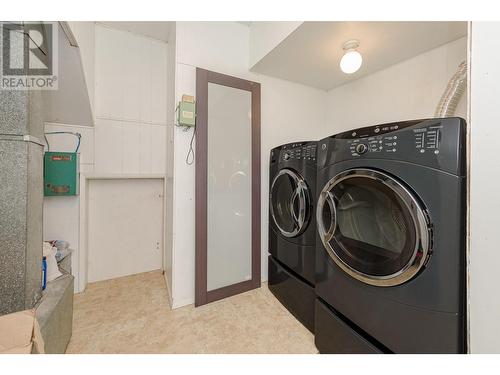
125	227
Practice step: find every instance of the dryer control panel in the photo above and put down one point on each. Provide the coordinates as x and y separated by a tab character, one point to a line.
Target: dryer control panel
389	138
378	144
431	142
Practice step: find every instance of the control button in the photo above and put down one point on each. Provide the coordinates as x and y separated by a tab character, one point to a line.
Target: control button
361	148
377	130
354	134
286	156
323	146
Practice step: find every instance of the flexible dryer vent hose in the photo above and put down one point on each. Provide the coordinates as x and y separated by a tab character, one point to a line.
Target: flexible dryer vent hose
453	93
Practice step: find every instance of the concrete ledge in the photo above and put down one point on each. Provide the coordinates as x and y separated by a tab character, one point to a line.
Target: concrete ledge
55	314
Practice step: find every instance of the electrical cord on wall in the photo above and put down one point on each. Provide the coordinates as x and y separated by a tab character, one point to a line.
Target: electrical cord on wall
190	154
77	135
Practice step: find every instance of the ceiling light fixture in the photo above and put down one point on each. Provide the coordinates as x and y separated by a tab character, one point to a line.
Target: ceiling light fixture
352	59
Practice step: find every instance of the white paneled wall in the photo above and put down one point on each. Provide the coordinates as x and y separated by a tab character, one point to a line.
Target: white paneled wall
131	97
123	147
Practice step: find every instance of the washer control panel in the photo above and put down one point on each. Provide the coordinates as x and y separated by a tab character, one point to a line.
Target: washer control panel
299	151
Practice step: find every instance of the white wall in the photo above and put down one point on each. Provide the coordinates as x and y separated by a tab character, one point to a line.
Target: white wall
169	187
84	33
408	90
290	112
266	35
484	178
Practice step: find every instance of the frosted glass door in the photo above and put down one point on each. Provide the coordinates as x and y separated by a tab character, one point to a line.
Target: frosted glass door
229	186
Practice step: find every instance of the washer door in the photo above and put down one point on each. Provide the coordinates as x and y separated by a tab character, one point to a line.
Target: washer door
373	227
289	202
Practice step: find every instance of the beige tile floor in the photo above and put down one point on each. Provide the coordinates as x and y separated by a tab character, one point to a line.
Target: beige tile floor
132	315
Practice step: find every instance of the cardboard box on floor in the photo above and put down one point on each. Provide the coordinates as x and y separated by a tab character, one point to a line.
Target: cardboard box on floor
20	333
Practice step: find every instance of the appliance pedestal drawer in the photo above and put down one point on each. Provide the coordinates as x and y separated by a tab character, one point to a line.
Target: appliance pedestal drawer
295	294
334	336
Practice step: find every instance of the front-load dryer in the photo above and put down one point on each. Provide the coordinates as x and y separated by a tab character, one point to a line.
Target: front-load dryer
292	228
391	218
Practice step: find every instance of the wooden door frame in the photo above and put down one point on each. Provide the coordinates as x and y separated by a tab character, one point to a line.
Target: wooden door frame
203	78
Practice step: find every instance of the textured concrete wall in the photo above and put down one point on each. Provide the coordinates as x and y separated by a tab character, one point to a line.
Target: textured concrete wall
13	202
34	226
21	197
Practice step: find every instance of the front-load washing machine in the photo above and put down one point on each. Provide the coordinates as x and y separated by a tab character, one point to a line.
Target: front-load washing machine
292	228
391	253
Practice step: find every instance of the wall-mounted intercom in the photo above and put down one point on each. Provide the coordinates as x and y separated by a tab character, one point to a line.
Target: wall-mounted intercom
186	113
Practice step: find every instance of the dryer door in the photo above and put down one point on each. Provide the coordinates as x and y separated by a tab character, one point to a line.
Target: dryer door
289	202
373	227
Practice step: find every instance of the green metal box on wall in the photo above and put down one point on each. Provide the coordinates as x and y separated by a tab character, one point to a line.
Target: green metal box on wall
186	115
61	174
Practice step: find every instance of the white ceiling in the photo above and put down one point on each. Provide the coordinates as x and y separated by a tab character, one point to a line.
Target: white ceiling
154	29
311	54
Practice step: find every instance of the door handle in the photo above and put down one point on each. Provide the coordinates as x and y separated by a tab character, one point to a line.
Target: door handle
300	216
326	235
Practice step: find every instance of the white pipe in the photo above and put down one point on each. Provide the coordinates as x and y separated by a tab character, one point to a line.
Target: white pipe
454	91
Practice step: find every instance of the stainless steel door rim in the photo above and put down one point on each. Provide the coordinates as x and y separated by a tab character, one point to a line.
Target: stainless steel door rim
301	193
421	226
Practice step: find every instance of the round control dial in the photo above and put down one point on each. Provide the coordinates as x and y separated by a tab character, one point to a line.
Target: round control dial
361	148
